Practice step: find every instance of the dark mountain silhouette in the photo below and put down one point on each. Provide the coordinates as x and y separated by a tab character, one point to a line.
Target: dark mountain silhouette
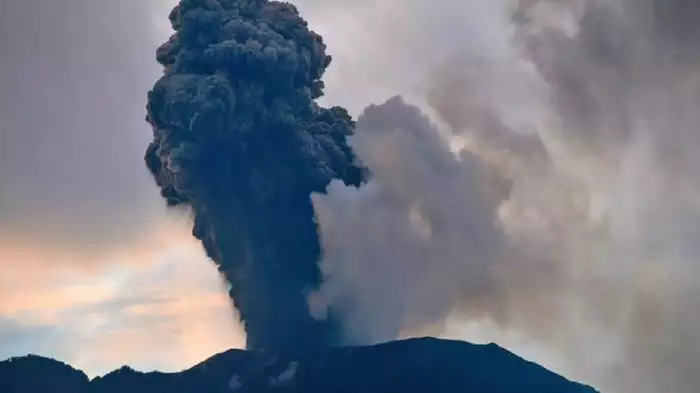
36	374
416	365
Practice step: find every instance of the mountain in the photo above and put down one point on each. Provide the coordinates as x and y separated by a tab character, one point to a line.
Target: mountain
409	366
36	374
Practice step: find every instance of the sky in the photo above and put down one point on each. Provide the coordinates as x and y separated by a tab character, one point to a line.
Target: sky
584	109
93	268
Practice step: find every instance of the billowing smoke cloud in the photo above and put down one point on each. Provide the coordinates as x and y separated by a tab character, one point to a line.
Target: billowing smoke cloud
395	248
425	237
624	83
240	140
573	221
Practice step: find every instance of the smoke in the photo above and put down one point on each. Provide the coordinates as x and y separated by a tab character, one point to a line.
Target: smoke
391	246
544	181
624	87
569	210
424	237
239	139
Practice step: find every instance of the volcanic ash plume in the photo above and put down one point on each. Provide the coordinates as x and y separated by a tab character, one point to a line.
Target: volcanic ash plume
396	249
239	139
588	244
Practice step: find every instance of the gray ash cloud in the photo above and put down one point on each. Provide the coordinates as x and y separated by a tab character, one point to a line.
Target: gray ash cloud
239	139
421	239
587	122
625	87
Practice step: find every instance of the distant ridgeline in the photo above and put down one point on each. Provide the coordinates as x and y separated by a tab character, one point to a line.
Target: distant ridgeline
424	365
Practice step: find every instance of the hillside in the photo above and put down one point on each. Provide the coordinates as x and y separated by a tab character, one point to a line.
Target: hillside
408	366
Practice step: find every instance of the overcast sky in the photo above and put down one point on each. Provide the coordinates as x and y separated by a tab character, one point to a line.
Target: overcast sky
94	271
86	247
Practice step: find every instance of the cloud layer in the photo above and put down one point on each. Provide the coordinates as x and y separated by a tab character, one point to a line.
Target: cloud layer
167	315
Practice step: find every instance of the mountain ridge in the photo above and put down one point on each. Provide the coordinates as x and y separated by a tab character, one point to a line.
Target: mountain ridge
414	365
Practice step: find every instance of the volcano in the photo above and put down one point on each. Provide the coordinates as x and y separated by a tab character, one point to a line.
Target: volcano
418	365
